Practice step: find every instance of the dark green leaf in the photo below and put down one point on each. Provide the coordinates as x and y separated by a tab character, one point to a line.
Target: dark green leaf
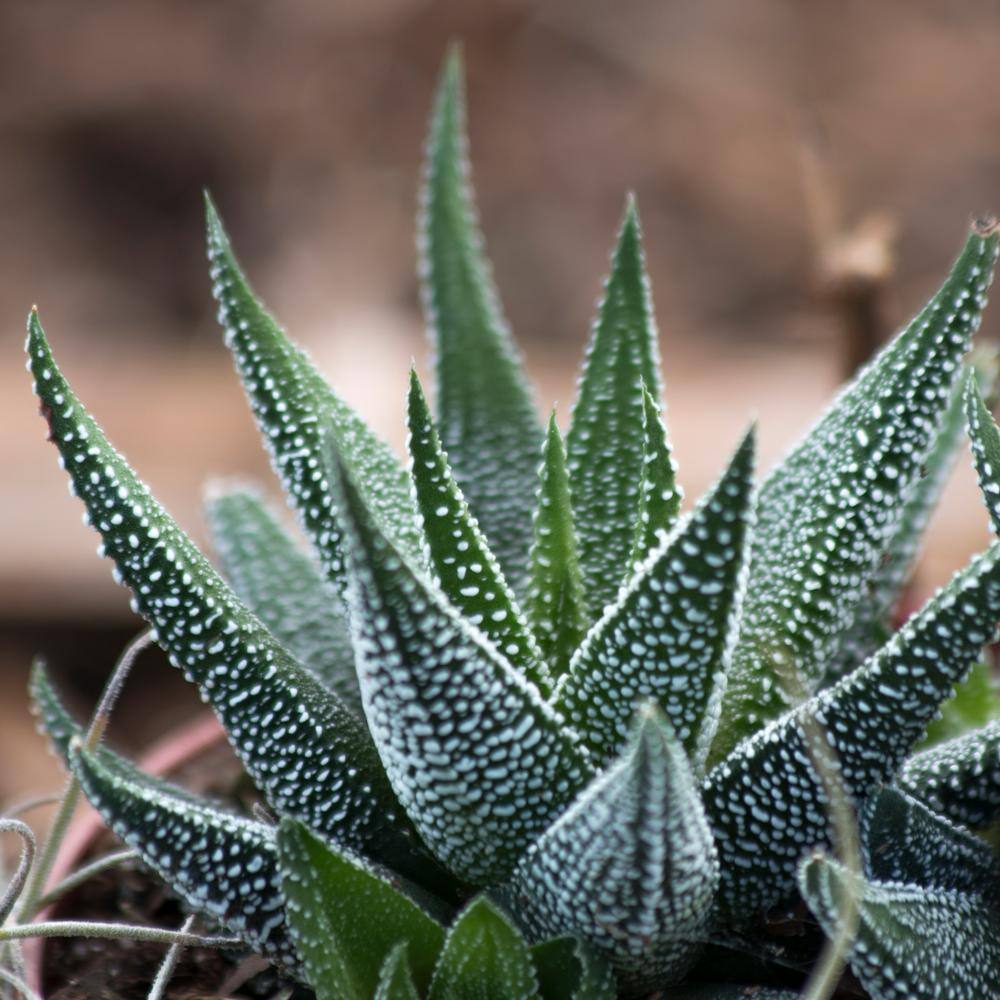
912	943
486	413
556	604
605	443
395	981
462	562
484	958
828	512
765	803
985	436
346	917
630	867
569	969
669	634
282	586
729	991
478	760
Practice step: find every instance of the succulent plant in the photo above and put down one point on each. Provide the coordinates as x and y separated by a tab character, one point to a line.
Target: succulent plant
526	729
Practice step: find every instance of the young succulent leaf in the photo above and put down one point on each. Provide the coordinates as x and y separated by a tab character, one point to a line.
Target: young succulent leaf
570	969
670	632
765	802
53	717
295	408
283	587
975	703
905	841
659	493
460	557
605	443
630	867
912	943
305	749
827	513
340	905
985	437
960	778
395	981
872	626
220	864
486	413
480	763
484	958
557	606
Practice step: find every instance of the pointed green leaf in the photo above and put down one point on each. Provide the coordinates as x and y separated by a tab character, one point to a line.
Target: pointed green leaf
484	958
659	494
570	969
629	867
282	586
904	841
395	981
669	634
959	779
340	906
478	760
54	720
975	703
220	864
318	764
461	560
295	408
985	437
912	943
827	513
605	442
486	413
556	604
766	804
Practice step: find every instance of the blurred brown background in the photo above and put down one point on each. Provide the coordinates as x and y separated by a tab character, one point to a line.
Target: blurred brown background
742	126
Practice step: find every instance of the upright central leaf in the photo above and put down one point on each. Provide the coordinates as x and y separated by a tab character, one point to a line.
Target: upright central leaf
487	417
605	444
828	512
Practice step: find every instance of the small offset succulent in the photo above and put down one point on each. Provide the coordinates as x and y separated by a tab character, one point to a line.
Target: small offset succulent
524	728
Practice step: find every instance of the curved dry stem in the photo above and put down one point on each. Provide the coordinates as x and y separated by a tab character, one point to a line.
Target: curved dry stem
116	932
18	808
14	980
163	976
85	873
16	885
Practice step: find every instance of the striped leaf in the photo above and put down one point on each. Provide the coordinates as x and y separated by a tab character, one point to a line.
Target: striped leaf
486	412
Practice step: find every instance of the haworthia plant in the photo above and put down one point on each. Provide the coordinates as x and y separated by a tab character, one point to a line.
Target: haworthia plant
523	726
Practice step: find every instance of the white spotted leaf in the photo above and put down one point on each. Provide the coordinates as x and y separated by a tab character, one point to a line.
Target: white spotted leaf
605	442
460	558
765	802
339	905
669	634
912	943
630	867
556	603
484	958
827	513
283	587
478	760
486	412
985	437
395	981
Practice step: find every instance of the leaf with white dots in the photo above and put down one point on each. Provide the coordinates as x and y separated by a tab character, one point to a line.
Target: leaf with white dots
486	413
460	557
478	760
630	867
295	408
395	981
911	943
905	841
828	511
669	634
659	494
765	802
985	437
570	969
345	917
730	991
556	603
54	720
975	703
305	749
484	958
605	443
222	865
959	778
283	587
